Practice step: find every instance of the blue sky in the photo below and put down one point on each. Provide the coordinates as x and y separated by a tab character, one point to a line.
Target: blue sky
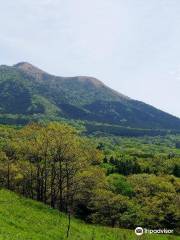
132	46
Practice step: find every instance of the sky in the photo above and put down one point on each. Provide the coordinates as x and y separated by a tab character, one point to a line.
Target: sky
133	46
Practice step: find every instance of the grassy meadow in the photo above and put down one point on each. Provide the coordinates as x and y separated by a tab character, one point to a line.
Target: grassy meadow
24	219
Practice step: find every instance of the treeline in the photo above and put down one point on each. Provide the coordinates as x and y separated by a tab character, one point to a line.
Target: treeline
106	129
55	165
143	163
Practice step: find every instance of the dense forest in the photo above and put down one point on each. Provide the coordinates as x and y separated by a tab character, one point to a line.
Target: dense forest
113	181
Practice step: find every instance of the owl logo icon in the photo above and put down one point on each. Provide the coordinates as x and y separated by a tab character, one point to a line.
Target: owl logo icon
139	231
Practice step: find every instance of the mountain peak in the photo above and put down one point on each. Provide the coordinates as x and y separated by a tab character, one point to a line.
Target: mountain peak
39	74
26	66
30	69
19	64
94	81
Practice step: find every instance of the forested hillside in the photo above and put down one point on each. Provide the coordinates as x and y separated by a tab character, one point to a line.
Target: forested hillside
117	182
30	94
60	145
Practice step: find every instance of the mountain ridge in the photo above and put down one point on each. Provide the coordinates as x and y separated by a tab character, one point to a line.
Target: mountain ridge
30	69
32	93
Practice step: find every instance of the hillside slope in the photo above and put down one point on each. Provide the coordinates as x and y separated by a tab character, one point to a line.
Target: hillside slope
23	219
28	93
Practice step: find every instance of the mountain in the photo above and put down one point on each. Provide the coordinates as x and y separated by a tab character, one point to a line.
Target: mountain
28	93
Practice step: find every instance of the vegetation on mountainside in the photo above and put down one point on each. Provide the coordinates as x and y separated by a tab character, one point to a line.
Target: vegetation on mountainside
118	182
29	94
112	181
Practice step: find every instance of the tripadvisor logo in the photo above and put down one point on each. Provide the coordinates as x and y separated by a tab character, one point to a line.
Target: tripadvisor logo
139	231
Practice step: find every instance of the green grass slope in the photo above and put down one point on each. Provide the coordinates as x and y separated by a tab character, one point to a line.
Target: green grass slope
24	219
